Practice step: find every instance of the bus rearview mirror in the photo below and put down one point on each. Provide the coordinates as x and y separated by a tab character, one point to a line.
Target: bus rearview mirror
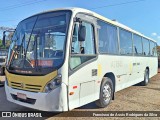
4	38
82	33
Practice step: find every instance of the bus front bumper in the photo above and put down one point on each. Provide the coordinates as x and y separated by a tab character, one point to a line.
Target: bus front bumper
40	101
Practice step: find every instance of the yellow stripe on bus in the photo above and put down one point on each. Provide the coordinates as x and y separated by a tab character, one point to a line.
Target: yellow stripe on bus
29	83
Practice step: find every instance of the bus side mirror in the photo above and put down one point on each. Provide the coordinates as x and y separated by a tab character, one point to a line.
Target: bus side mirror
2	71
4	38
82	33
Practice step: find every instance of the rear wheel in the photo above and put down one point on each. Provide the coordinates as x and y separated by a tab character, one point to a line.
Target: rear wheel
106	93
146	78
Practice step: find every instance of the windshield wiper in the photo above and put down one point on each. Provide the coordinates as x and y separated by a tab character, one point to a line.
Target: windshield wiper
16	52
30	39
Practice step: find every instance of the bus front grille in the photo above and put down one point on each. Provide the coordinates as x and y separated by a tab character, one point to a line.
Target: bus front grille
27	87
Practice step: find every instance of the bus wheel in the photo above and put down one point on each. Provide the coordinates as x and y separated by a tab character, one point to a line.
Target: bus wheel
146	78
106	93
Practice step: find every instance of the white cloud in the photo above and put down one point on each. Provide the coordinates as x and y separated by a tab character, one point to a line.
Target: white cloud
154	34
158	37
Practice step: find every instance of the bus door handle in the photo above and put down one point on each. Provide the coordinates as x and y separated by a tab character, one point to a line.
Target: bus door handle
134	64
138	63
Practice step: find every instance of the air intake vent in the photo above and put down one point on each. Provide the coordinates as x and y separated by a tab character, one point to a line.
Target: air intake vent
28	87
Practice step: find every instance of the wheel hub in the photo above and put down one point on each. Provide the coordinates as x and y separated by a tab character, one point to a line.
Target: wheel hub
106	93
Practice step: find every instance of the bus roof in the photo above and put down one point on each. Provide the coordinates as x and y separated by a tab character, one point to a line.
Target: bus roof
76	10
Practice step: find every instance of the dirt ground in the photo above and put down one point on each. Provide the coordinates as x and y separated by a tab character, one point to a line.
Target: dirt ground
134	98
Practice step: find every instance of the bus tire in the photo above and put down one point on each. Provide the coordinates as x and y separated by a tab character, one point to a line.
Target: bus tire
106	93
146	78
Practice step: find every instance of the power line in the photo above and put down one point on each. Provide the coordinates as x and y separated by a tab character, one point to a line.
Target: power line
119	4
18	5
111	5
21	5
14	5
9	20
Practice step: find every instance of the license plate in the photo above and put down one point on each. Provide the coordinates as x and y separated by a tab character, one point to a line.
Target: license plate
21	96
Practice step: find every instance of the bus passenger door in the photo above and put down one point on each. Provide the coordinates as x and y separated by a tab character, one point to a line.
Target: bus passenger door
132	71
83	65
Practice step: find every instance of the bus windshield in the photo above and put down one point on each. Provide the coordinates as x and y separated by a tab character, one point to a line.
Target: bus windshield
38	45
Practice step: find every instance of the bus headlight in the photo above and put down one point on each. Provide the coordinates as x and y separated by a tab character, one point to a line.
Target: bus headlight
53	84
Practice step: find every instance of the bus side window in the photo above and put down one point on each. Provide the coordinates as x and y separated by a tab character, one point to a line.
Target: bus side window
75	44
125	42
107	38
146	51
152	49
82	51
156	52
137	45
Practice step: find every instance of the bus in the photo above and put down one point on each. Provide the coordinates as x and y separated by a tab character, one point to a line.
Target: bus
65	58
3	55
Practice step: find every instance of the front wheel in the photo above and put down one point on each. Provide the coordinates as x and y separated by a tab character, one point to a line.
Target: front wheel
106	93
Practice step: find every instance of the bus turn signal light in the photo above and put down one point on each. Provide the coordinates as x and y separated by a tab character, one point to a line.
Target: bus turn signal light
71	93
74	87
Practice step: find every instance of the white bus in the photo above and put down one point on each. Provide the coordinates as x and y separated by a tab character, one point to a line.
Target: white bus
88	58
